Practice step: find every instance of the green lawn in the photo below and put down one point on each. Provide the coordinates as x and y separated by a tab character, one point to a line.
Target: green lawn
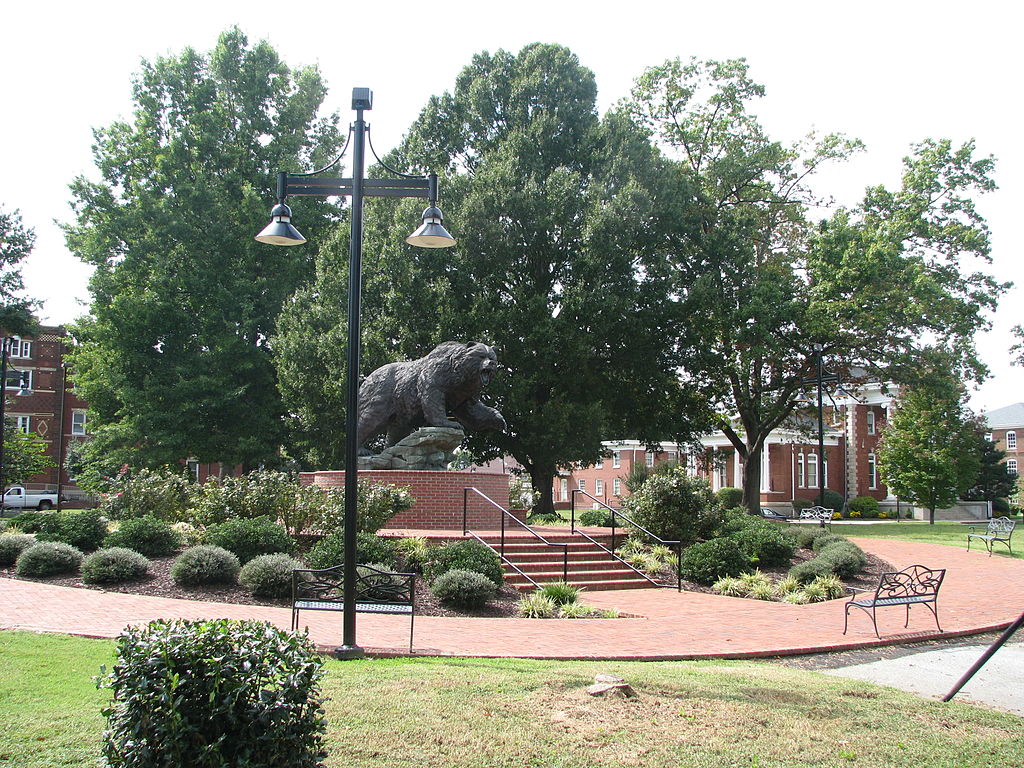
484	713
952	534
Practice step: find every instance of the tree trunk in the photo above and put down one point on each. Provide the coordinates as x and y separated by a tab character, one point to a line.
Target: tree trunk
543	482
752	480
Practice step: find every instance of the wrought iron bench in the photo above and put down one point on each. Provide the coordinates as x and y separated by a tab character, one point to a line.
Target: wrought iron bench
377	591
997	529
822	514
915	585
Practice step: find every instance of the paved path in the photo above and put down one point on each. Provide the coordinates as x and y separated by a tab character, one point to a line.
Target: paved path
979	593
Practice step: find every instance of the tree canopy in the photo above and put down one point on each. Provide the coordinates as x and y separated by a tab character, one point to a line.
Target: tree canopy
173	356
16	242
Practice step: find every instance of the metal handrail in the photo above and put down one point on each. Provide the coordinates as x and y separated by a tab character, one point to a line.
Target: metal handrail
667	542
507	514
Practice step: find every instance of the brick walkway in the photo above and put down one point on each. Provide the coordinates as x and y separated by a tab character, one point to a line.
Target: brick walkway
980	593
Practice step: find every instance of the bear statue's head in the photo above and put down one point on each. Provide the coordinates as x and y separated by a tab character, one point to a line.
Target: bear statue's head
470	366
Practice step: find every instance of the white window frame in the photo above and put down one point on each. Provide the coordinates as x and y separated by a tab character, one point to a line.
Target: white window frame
871	422
812	470
14	379
801	476
649	458
617	486
598	487
672	457
21	348
1011	440
872	472
988	436
616	459
582	484
78	422
564	490
1011	466
24	424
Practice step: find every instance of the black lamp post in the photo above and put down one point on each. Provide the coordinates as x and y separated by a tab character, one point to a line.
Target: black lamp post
820	378
23	390
431	234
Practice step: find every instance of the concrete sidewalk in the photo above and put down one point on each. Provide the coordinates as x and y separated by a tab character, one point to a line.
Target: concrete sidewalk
980	593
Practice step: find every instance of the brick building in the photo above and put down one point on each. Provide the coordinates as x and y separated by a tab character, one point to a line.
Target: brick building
50	407
789	459
1006	430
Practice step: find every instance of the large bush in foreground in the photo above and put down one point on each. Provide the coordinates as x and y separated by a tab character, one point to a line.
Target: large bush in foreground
269	575
48	558
675	506
463	589
12	545
707	562
212	694
113	565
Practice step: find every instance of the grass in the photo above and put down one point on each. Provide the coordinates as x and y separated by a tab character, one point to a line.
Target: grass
948	533
485	713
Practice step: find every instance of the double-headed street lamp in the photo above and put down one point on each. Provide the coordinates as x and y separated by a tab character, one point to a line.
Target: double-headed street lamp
820	378
431	234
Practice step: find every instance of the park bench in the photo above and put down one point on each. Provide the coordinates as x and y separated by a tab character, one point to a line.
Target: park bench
822	514
914	585
377	591
997	529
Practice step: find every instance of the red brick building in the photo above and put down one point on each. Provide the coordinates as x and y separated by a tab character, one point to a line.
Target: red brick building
1006	430
50	408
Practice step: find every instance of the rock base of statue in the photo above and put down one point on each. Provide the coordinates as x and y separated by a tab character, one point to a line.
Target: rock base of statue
428	448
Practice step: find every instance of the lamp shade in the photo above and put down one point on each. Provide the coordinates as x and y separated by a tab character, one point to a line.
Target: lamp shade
431	233
280	230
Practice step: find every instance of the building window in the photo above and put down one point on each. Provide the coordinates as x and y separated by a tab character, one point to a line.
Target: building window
565	489
78	423
1011	441
617	487
872	472
21	348
988	436
722	475
616	459
24	424
582	484
801	478
812	470
16	378
1011	466
672	457
599	487
871	422
649	458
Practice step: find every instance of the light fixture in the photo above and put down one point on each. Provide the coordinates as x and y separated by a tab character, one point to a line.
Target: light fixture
280	230
431	233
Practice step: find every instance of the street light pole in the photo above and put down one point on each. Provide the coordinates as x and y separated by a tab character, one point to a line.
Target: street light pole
5	354
431	234
820	378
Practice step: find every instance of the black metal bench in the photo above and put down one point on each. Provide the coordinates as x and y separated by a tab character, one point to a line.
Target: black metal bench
822	514
997	529
377	591
915	585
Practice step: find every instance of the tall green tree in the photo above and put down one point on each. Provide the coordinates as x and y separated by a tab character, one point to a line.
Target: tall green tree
174	356
24	455
995	482
560	216
16	242
928	451
762	283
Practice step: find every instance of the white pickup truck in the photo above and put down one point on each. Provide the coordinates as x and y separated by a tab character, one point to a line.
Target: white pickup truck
16	497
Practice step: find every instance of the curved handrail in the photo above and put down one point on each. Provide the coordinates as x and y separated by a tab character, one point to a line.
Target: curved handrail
507	514
616	512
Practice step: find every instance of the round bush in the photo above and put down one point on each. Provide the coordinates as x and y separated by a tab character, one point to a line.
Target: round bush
806	535
269	575
823	541
48	558
113	565
214	693
465	556
846	558
833	500
250	537
597	518
146	535
370	548
707	562
31	522
729	497
808	571
82	529
765	544
675	506
463	589
205	565
12	545
866	505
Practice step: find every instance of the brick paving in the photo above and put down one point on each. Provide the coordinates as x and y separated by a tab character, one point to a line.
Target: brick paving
980	593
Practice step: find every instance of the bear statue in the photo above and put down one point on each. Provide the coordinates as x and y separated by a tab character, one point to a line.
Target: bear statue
401	397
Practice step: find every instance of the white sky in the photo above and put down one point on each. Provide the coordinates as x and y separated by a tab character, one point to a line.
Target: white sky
889	73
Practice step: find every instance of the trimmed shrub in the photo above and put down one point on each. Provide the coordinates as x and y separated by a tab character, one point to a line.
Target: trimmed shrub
806	535
113	565
808	571
675	506
83	529
865	505
537	606
31	522
48	558
248	538
467	556
208	694
156	493
765	544
269	575
146	535
560	592
823	541
845	558
463	589
203	565
370	548
12	545
596	518
834	500
729	497
707	562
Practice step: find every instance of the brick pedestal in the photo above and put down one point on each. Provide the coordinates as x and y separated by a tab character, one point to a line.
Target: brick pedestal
437	495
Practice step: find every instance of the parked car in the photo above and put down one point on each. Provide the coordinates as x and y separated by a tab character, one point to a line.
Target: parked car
17	497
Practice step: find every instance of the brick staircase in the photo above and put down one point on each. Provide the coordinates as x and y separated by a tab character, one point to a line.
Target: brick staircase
589	565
